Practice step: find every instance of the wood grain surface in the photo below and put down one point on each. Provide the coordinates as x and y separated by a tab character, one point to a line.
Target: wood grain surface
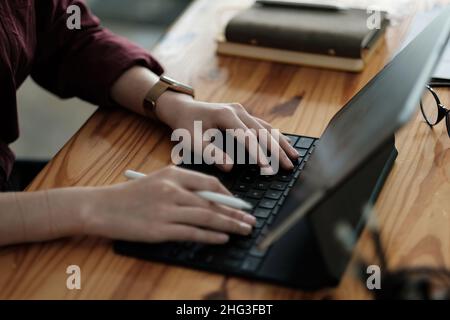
413	210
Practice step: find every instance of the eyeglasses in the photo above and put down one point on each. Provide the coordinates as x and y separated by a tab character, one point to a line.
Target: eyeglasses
433	110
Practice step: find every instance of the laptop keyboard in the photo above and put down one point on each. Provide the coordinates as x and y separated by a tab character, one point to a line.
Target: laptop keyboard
267	195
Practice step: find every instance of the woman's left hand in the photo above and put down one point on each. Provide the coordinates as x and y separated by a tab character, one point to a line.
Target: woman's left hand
180	111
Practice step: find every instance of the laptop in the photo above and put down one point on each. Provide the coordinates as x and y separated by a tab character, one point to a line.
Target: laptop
294	243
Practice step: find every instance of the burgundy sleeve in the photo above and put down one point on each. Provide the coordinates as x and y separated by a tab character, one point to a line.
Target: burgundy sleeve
83	63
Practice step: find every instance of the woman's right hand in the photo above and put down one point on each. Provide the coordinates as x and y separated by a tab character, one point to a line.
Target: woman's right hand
164	207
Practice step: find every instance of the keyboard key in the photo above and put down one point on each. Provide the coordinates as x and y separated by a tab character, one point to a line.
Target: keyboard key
236	254
207	259
259	223
268	204
297	161
307	158
293	139
204	257
243	243
238	195
246	179
253	202
280	186
276	210
270	220
261	213
302	152
284	177
302	166
231	263
255	252
174	252
202	251
255	194
304	143
253	169
251	264
255	233
274	195
228	184
189	245
262	185
241	187
266	177
263	233
191	255
184	255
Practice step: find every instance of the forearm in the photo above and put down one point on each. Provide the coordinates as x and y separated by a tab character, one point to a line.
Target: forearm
41	216
131	88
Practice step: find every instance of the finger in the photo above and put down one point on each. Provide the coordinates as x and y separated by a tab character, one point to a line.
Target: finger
185	198
276	150
214	155
269	127
211	220
235	214
196	181
284	141
178	232
285	145
273	145
248	138
264	123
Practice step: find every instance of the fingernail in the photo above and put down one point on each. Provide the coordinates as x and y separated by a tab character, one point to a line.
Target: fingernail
228	167
249	219
290	166
223	238
246	228
267	171
228	159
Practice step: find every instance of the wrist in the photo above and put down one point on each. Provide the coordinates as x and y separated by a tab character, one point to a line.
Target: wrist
74	207
53	214
91	208
171	105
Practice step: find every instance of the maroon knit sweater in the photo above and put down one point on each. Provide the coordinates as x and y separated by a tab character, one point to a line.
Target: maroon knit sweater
35	40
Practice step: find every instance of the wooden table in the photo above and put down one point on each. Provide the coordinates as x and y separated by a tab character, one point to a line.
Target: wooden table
414	207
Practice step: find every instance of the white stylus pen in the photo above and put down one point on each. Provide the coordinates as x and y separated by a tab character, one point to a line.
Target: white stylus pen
207	195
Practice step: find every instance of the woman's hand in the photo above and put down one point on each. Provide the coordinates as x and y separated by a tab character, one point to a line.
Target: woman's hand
180	111
164	207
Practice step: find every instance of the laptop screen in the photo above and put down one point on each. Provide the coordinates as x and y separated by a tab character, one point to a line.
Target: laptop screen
382	107
366	123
